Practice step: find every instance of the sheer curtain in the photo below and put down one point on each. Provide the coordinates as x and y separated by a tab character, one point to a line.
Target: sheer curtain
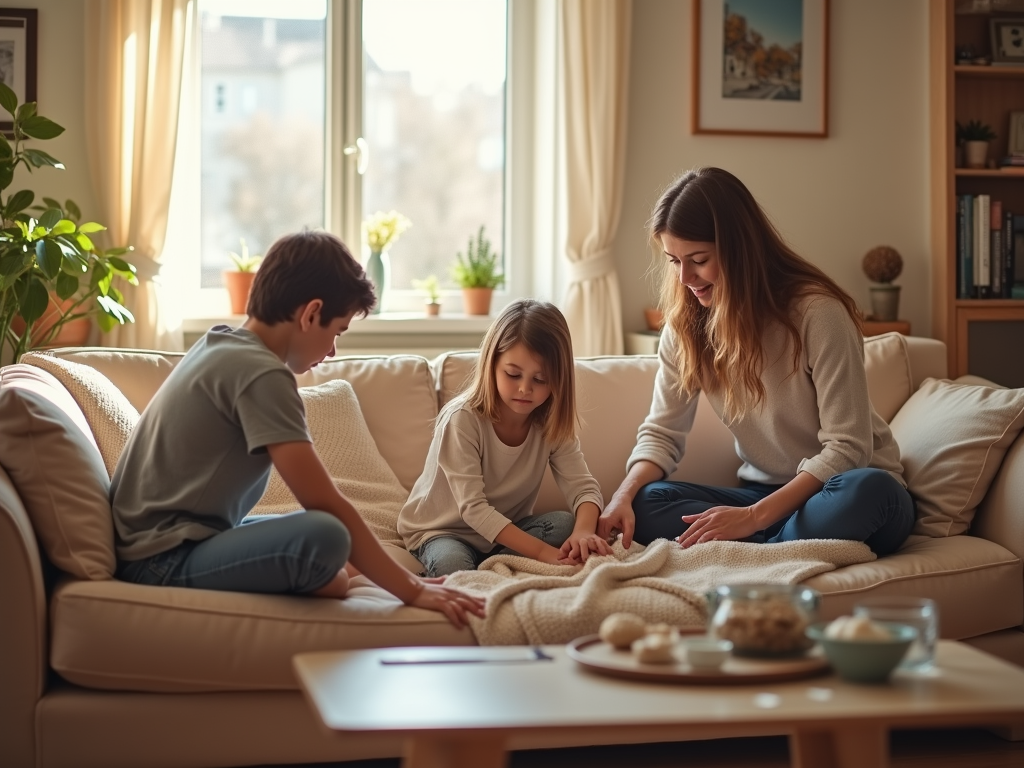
134	54
595	74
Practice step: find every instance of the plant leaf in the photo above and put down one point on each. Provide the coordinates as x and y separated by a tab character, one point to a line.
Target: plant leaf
25	111
90	227
50	218
85	242
32	298
38	158
114	309
8	99
18	202
121	265
67	285
6	173
5	148
63	227
49	202
41	128
72	209
48	257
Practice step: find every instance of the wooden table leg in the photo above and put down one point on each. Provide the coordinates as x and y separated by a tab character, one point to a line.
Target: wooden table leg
849	746
452	752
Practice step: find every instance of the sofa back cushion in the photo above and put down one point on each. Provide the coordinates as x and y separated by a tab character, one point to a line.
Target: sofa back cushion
48	451
952	439
398	401
111	417
890	382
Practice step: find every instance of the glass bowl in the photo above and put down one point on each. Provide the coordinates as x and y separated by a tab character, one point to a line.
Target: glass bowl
766	620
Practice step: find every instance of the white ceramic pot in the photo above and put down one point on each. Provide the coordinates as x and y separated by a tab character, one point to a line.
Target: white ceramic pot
975	153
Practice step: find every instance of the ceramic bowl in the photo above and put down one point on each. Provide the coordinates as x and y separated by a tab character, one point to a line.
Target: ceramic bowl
865	661
706	654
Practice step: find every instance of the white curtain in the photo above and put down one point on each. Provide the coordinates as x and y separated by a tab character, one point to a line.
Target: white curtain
134	55
594	68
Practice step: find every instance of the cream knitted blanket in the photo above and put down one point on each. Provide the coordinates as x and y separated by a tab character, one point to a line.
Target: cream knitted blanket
529	602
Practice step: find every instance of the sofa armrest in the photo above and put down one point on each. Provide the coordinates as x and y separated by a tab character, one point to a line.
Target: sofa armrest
23	662
927	360
999	516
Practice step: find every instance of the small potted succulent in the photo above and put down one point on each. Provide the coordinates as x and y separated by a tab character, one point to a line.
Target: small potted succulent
238	281
882	265
477	274
974	137
432	287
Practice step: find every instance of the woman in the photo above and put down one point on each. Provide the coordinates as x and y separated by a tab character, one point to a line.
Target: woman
776	347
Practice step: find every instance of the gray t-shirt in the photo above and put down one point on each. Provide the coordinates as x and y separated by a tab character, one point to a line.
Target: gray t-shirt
197	461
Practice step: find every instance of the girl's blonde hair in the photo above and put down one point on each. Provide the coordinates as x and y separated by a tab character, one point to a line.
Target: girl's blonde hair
760	280
542	329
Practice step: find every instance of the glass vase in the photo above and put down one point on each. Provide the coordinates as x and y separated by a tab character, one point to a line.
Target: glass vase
378	270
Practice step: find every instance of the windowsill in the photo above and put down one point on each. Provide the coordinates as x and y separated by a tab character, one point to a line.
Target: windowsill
405	323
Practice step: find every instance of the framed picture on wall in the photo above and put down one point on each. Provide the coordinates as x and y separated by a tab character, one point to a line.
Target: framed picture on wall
1008	41
760	67
18	33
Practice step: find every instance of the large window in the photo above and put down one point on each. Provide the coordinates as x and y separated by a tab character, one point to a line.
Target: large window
429	108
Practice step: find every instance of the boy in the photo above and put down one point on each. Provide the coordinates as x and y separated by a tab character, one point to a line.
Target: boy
200	457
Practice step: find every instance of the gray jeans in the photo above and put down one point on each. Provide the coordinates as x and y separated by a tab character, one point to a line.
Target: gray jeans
443	555
273	554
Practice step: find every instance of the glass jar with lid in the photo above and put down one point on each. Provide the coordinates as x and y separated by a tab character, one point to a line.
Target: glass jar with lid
763	619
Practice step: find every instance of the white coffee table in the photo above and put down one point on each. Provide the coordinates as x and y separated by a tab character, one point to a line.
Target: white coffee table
468	711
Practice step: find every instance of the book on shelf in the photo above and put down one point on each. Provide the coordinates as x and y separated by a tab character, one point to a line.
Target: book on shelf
989	249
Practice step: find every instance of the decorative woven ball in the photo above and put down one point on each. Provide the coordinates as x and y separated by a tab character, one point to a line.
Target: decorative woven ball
882	264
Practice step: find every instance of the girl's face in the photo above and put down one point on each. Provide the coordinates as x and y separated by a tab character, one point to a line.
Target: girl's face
522	380
696	264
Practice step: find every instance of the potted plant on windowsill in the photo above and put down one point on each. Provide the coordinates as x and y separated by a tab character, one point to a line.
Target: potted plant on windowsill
477	274
238	281
430	286
51	272
381	231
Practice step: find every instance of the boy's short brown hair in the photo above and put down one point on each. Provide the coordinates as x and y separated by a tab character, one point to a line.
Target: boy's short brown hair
304	266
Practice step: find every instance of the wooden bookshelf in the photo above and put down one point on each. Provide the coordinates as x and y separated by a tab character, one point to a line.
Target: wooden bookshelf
960	93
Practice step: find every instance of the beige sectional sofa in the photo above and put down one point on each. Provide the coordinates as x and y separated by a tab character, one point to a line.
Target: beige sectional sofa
95	672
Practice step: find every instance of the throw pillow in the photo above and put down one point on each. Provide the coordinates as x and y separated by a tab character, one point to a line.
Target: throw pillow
110	415
350	455
61	480
952	439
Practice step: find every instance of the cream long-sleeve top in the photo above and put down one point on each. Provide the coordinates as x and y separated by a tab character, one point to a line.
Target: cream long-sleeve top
817	419
473	485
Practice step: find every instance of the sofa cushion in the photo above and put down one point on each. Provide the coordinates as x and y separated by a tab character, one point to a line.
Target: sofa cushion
887	364
398	401
351	458
119	636
978	584
111	417
59	475
952	439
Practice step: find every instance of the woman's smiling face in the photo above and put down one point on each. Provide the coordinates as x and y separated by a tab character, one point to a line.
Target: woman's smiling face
696	264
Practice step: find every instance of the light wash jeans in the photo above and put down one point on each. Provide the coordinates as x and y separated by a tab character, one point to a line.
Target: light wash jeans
443	555
273	554
866	505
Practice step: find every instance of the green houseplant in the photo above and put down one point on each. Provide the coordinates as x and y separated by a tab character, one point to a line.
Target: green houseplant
477	274
238	281
974	136
51	272
431	286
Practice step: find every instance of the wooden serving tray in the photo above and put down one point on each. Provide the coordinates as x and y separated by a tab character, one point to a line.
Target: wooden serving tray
595	655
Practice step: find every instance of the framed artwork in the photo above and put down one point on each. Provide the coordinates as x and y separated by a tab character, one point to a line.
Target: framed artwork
1007	41
1015	142
760	67
18	33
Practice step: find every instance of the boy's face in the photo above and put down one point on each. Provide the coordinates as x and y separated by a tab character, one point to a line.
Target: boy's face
313	343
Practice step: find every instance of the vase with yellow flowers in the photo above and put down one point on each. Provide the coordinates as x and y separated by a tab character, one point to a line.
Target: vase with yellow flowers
381	231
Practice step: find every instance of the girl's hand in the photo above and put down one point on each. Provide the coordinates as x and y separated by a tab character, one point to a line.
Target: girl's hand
617	518
454	605
719	524
579	546
433	579
553	556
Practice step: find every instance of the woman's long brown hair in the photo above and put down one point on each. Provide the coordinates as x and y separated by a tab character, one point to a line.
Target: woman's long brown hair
760	279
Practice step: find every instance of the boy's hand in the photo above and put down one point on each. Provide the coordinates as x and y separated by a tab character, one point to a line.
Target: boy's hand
454	605
553	556
580	546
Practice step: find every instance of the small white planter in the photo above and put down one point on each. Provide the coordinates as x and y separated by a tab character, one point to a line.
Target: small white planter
975	153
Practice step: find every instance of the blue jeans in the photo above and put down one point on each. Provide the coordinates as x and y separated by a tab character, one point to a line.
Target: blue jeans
443	555
866	505
294	553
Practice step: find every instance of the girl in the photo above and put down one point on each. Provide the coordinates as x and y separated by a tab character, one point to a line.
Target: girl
490	449
776	346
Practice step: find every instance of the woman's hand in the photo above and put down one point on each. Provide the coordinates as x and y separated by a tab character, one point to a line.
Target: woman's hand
453	604
617	518
579	546
720	524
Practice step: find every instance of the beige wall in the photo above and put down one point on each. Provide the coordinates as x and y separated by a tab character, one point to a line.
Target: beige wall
832	199
61	80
